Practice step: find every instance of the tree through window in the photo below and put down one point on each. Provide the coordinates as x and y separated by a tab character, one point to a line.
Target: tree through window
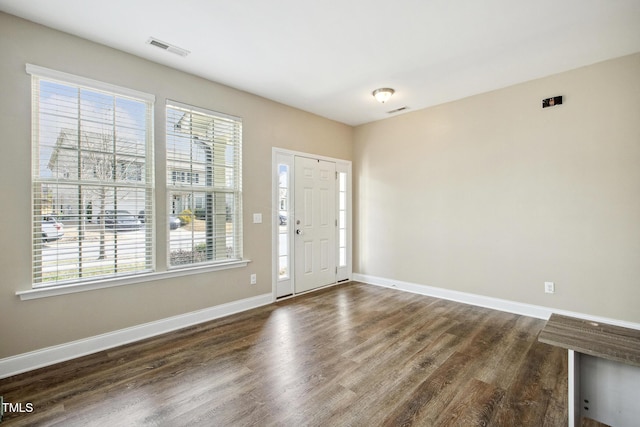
92	174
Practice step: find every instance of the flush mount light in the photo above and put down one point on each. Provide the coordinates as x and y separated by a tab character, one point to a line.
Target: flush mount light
382	95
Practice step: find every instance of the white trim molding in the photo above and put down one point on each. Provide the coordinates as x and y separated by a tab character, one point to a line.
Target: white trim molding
48	356
61	76
508	306
281	156
52	291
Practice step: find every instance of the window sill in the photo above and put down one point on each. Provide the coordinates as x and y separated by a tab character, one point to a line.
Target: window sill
51	291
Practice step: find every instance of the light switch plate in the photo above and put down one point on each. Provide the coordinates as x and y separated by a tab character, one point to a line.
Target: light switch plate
549	287
257	218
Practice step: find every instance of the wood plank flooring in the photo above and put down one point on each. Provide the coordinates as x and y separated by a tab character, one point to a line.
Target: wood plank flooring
349	355
594	338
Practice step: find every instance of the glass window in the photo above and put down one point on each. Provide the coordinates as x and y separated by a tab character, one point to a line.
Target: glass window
91	173
204	185
283	222
342	219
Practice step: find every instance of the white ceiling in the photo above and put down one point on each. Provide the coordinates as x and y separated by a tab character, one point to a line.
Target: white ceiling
327	56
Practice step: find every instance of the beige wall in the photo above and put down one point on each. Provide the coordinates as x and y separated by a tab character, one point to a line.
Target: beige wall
30	325
493	195
489	195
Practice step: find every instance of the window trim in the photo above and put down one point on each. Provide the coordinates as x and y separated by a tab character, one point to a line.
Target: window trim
63	77
72	80
44	291
71	288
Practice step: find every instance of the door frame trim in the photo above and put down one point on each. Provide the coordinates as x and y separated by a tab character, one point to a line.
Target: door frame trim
342	165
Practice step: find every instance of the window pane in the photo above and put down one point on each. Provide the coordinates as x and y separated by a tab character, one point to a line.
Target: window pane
342	219
283	220
203	181
342	184
283	267
90	179
343	257
283	244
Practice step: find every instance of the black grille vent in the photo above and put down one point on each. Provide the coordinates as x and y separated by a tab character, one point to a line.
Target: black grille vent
158	44
168	47
397	110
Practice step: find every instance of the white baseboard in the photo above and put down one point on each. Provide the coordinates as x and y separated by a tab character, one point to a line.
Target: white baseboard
48	356
523	309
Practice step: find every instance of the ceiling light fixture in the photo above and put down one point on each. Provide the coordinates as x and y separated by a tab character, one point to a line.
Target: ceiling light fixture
382	95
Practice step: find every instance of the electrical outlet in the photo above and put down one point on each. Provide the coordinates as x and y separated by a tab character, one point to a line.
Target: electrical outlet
549	287
254	279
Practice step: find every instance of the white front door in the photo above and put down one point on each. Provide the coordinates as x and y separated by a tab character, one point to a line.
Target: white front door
314	223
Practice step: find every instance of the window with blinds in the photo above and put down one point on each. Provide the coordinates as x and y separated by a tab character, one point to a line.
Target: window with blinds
92	175
204	186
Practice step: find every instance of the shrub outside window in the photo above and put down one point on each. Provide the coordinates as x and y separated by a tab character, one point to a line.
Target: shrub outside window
203	185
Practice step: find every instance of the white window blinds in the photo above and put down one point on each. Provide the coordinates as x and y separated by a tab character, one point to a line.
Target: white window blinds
92	175
204	185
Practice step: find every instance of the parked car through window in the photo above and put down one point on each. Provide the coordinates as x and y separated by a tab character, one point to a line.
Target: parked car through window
51	228
120	219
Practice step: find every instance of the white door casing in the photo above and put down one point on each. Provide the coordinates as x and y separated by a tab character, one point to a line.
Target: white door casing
291	274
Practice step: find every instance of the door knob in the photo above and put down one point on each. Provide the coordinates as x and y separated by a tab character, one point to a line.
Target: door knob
299	232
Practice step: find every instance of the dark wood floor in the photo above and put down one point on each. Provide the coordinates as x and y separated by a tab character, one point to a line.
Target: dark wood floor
350	355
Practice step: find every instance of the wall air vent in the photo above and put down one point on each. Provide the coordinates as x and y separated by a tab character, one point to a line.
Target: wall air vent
397	110
168	47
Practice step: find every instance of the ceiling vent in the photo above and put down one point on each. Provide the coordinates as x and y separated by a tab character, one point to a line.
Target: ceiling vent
397	110
166	46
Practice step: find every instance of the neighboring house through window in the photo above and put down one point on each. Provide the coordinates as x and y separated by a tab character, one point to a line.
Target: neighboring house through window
204	185
93	183
92	171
